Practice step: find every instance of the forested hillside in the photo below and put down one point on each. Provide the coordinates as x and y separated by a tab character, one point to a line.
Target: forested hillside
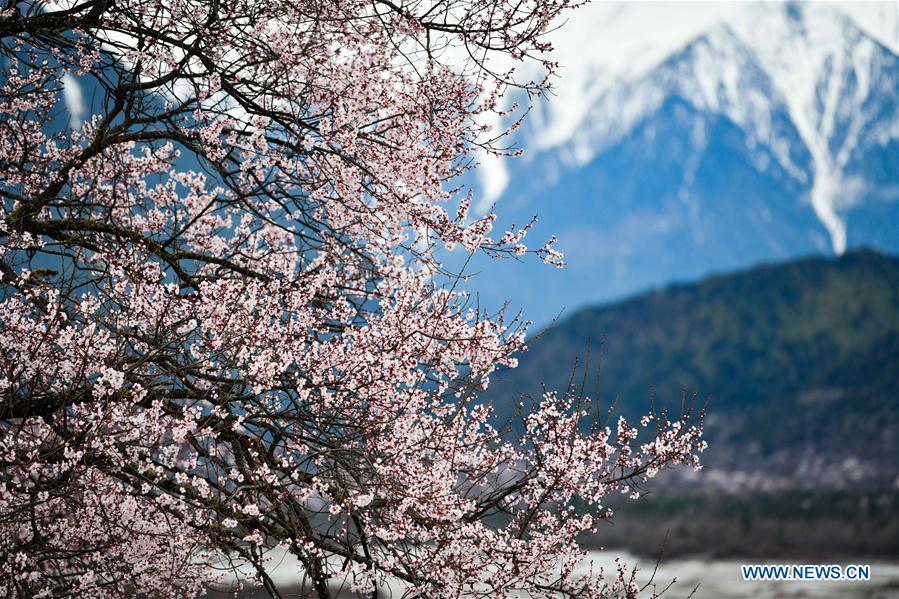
798	363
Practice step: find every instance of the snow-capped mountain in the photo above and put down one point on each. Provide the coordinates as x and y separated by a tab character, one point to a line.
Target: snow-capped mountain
802	82
770	133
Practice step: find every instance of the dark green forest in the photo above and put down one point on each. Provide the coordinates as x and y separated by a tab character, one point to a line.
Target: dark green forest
798	365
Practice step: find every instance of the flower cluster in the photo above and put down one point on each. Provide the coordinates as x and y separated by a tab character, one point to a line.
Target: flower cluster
224	324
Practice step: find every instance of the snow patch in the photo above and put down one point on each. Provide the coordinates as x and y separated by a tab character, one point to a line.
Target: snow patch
73	99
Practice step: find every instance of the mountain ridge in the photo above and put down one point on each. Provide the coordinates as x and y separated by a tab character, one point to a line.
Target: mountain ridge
800	361
699	162
825	101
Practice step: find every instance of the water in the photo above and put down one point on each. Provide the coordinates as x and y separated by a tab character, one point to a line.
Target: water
716	578
722	579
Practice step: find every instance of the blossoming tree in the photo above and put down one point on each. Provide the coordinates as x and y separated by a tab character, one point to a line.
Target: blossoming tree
225	325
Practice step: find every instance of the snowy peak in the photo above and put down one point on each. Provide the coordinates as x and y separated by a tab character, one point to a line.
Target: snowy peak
804	83
715	71
839	85
686	138
719	73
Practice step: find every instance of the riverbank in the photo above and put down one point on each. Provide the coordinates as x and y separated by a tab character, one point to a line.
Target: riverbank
711	579
809	525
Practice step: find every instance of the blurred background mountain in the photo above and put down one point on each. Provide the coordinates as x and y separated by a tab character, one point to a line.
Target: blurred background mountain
724	181
799	366
690	138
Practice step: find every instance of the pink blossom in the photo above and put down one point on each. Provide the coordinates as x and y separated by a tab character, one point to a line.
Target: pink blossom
225	325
